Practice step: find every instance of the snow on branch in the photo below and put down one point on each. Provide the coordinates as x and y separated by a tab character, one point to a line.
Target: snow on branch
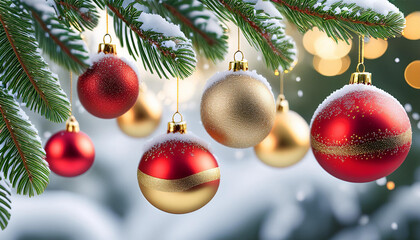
197	22
161	45
261	24
340	18
63	44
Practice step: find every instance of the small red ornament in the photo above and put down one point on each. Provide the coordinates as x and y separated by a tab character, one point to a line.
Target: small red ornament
109	88
178	174
360	133
70	153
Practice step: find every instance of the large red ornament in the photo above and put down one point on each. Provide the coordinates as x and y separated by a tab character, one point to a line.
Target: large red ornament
70	153
360	133
109	88
178	174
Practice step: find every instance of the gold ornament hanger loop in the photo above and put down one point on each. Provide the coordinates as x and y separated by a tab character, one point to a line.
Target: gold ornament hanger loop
282	103
107	48
71	124
180	126
361	76
110	38
238	65
242	55
180	115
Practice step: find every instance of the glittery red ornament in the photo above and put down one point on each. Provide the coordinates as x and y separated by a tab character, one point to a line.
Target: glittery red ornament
360	133
70	154
109	88
178	174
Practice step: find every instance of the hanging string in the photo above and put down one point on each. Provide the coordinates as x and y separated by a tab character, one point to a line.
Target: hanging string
277	73
239	39
71	93
239	46
361	63
106	14
177	103
177	94
282	83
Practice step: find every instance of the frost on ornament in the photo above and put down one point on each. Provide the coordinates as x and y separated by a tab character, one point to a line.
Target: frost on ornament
359	88
219	76
187	137
97	57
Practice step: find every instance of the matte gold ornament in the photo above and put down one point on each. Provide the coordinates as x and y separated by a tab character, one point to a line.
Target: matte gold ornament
288	141
237	107
143	118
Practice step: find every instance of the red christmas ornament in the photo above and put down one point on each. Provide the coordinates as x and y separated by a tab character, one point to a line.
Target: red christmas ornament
360	133
70	153
109	88
177	174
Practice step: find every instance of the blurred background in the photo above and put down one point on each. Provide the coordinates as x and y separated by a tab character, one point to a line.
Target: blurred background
254	201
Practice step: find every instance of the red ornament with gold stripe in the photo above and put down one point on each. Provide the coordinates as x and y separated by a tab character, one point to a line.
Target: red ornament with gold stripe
360	133
177	173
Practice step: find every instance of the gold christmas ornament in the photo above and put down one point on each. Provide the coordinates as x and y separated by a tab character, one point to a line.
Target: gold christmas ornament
143	118
288	141
237	107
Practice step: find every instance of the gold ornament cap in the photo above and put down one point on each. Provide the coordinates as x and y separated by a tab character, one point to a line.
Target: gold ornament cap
236	65
72	125
361	78
177	127
282	104
107	48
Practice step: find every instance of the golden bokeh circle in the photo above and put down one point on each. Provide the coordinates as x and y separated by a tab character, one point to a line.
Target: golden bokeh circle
309	39
375	48
390	185
412	27
328	48
412	74
345	64
327	67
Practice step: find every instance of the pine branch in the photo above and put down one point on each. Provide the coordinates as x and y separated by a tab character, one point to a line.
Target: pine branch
196	21
64	45
340	19
161	45
21	155
5	203
261	28
26	74
80	14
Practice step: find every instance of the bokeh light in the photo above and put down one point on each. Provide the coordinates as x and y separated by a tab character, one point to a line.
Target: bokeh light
331	67
412	74
375	48
346	61
327	48
412	28
310	38
390	185
318	43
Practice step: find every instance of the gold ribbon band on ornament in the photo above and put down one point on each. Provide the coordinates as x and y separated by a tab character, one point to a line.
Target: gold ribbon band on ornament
364	148
178	185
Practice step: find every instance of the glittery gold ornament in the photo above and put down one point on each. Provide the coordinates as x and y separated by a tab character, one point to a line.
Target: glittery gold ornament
288	141
143	118
237	107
